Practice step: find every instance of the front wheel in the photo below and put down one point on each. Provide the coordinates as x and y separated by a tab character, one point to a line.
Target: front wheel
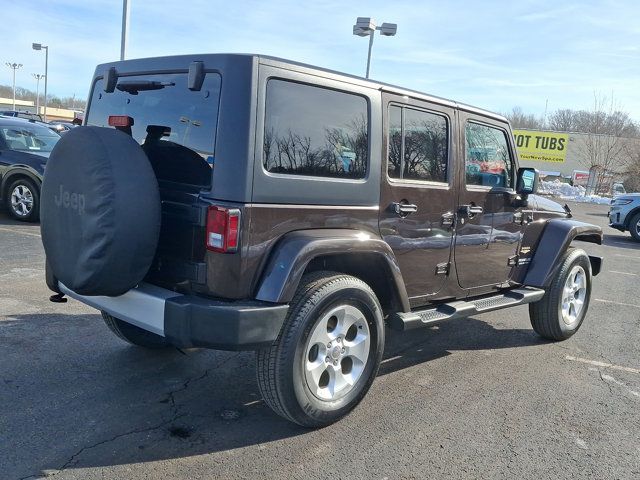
634	227
23	200
559	314
328	351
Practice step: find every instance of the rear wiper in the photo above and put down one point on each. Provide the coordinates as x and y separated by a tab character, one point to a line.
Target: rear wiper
135	86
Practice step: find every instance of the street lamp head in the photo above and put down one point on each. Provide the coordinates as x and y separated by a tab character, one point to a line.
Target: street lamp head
36	46
388	29
364	26
361	32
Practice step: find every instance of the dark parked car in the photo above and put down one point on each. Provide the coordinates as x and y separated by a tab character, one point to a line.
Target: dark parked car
24	149
61	127
25	115
242	202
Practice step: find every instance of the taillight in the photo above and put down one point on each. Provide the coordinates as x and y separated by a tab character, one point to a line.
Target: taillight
120	121
223	229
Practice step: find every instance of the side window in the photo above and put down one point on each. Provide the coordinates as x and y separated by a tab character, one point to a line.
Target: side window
418	145
487	159
315	131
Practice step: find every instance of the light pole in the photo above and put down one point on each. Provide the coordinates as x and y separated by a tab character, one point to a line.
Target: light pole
366	26
126	12
38	77
14	66
39	46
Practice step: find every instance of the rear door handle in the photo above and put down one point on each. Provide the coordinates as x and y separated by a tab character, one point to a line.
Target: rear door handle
404	209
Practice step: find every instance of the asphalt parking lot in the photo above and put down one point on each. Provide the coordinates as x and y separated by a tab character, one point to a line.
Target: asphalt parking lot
482	397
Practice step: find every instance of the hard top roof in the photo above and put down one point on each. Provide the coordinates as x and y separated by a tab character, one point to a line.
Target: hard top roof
162	63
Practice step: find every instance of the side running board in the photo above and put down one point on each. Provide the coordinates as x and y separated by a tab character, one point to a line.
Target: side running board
461	309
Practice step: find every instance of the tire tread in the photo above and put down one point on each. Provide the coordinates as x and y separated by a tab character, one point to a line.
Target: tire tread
269	368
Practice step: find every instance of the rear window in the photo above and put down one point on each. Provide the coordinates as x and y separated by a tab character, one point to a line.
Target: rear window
174	125
315	131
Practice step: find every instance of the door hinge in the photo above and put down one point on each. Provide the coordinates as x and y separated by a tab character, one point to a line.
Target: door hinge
442	268
448	219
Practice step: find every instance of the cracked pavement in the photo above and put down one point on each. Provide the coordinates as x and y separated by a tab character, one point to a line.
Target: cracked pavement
477	398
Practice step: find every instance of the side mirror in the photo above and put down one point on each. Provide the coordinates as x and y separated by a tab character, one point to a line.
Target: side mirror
527	182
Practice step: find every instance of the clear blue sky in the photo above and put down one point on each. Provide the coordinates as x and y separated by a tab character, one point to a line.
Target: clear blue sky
493	54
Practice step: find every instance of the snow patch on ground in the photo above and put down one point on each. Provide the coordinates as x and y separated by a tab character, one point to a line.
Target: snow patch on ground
567	192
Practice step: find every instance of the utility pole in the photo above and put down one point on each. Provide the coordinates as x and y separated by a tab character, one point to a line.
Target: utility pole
125	28
39	46
38	77
14	66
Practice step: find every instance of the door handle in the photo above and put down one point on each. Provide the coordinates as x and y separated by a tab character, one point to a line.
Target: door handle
404	209
471	210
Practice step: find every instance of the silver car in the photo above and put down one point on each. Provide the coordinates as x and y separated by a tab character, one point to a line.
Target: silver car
624	214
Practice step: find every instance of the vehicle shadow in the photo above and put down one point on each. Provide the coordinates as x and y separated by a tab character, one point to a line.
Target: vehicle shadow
5	219
621	240
158	405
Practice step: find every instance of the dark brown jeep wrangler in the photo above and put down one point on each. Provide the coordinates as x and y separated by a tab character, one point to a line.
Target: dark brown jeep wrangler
243	202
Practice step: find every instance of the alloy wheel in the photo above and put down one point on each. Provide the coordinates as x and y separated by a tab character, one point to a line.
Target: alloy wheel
574	295
21	200
336	352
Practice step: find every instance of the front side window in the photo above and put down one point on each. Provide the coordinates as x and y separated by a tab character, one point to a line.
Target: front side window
487	159
418	145
315	131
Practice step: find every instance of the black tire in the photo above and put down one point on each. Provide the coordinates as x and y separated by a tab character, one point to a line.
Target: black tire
134	335
546	314
281	379
634	227
28	187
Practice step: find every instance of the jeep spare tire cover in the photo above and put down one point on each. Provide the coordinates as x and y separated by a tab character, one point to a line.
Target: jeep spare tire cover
100	211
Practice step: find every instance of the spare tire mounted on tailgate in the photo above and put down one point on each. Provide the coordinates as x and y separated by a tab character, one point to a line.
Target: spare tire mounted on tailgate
100	214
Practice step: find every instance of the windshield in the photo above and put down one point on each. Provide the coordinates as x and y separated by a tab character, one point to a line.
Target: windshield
29	138
174	125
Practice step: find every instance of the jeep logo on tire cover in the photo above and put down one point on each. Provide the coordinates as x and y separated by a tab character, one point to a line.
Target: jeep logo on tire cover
70	200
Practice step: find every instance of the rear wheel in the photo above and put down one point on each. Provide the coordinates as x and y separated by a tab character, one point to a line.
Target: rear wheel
132	334
23	200
328	351
634	227
561	311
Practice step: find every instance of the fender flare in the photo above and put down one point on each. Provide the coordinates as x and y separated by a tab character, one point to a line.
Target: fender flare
19	170
292	254
553	243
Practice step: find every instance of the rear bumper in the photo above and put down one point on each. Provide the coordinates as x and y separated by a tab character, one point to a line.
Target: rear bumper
193	321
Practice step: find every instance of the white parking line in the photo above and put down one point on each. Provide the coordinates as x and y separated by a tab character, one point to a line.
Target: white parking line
617	303
627	256
623	273
20	232
596	363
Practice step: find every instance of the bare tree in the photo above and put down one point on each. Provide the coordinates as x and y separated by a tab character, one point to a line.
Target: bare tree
632	166
604	147
519	119
563	120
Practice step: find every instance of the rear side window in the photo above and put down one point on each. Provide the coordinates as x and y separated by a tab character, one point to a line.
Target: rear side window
174	125
487	159
418	145
315	131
